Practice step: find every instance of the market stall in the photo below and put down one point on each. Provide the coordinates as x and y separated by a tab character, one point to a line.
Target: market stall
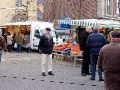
17	27
74	49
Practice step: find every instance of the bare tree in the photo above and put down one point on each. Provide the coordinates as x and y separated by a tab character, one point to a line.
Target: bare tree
56	9
75	9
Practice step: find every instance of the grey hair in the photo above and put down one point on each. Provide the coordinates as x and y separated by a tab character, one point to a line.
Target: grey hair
95	29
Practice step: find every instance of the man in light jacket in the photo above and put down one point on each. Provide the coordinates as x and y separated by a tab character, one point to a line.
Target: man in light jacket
46	46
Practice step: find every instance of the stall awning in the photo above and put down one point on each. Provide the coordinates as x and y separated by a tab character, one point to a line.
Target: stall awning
91	23
84	23
2	26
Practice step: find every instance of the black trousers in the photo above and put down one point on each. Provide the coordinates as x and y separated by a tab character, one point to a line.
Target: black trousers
85	62
9	47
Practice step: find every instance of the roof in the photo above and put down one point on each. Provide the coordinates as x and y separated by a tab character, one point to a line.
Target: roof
26	23
36	24
2	26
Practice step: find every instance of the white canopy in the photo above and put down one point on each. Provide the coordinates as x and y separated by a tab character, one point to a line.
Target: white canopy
91	23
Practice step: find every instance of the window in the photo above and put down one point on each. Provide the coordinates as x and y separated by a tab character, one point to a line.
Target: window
39	15
18	3
109	7
118	8
37	33
40	1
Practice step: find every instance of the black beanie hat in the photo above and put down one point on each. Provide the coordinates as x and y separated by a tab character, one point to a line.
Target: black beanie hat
48	29
115	34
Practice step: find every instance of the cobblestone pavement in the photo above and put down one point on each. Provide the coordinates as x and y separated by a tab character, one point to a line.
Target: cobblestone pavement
23	72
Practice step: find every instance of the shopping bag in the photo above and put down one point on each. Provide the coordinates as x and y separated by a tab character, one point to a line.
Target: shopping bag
15	46
3	57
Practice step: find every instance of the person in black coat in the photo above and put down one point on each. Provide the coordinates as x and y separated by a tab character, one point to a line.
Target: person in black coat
46	47
82	38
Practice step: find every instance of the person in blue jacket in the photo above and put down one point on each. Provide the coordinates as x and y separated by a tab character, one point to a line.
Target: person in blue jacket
94	43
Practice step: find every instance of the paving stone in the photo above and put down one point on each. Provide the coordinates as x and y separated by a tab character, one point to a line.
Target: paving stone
23	72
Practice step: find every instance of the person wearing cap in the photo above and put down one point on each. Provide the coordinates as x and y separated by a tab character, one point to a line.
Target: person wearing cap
95	42
109	60
46	47
2	44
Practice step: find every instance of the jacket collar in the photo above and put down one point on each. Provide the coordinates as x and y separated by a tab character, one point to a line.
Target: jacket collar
115	40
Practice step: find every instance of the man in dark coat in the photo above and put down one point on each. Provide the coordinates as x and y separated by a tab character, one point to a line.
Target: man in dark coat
109	60
94	43
2	44
82	38
46	47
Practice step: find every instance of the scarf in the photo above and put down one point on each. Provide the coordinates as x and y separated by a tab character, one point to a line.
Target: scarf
115	40
48	35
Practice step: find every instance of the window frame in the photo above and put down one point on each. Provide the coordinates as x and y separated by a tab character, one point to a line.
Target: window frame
108	13
37	33
18	3
118	8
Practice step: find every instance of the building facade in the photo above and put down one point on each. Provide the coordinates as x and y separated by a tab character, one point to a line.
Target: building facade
7	10
53	10
26	10
20	10
57	9
81	9
88	9
109	9
40	10
74	9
